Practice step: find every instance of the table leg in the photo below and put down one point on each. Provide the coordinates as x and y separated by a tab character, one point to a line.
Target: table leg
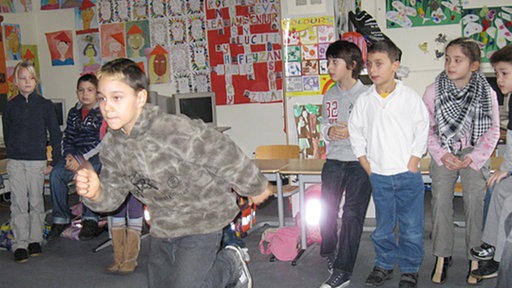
280	200
303	230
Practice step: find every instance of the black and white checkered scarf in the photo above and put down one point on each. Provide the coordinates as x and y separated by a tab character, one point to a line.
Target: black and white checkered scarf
462	111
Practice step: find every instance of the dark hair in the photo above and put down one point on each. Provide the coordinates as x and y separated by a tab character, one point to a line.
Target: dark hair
125	70
502	55
87	78
468	46
349	52
386	46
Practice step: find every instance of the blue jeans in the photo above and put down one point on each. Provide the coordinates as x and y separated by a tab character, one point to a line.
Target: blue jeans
189	261
340	177
59	179
399	200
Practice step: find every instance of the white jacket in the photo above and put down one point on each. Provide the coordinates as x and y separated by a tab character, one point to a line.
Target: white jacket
388	131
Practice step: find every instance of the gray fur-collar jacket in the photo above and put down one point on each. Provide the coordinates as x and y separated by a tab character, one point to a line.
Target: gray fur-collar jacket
183	171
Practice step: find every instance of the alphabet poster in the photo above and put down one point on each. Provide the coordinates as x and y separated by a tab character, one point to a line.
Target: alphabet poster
244	45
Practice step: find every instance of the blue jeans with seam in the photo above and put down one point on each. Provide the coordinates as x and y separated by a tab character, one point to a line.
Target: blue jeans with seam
338	178
59	179
399	200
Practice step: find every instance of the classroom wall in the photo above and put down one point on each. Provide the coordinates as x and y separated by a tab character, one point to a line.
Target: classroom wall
251	124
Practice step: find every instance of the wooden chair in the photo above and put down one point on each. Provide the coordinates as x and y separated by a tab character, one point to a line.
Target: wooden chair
280	152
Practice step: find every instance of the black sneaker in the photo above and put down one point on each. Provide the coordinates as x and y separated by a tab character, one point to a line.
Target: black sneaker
34	249
338	279
487	270
408	280
242	274
483	252
55	231
89	230
21	255
378	276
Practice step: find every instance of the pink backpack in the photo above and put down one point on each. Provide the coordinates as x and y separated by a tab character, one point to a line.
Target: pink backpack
282	242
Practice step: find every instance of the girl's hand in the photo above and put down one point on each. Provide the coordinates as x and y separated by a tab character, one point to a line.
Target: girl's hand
496	177
258	199
88	183
451	162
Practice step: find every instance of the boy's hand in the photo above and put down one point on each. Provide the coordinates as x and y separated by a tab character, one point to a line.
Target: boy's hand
258	199
71	163
339	131
87	183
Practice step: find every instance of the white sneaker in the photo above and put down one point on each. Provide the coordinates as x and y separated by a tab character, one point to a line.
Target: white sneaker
244	279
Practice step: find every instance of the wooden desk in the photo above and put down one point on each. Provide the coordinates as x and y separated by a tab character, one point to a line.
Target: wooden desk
308	171
270	168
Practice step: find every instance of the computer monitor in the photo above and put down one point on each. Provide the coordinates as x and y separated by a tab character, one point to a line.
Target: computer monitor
196	106
60	109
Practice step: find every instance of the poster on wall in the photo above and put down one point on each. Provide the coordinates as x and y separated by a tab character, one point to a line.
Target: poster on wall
307	122
409	13
244	45
489	26
12	39
60	44
305	42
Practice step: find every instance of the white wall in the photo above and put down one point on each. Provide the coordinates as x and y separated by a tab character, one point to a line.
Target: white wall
251	124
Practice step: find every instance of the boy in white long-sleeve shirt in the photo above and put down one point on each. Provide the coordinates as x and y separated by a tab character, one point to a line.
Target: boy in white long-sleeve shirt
388	130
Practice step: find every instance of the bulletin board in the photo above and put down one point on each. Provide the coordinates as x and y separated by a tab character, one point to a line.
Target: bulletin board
244	45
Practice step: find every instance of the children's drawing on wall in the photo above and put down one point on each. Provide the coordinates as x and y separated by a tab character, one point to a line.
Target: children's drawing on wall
50	4
307	120
407	13
60	44
85	16
202	81
180	58
195	6
89	52
29	53
159	35
176	8
137	38
121	11
310	83
183	83
177	30
199	55
15	6
157	9
13	89
158	65
139	9
7	6
294	84
105	12
12	34
489	26
71	3
196	29
112	41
